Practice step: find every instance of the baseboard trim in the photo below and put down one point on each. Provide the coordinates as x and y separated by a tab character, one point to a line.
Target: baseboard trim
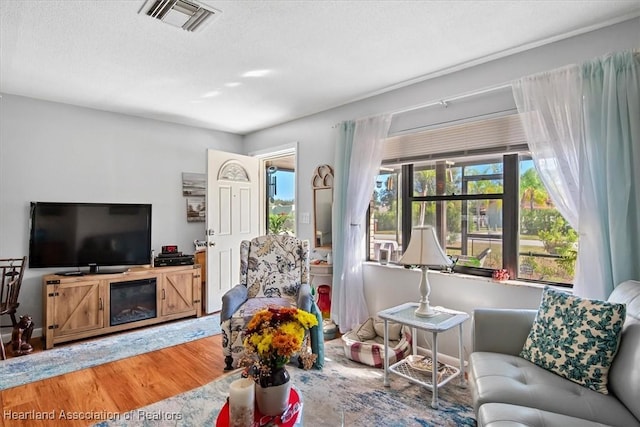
444	358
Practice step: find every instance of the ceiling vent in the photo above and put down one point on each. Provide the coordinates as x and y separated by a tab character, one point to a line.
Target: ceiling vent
186	14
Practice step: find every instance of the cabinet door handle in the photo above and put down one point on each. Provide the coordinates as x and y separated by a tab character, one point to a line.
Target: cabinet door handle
100	306
164	296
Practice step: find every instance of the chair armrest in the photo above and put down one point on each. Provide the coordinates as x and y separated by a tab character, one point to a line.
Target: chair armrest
232	300
501	330
317	337
305	299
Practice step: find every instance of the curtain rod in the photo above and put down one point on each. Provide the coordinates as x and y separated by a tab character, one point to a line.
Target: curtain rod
445	101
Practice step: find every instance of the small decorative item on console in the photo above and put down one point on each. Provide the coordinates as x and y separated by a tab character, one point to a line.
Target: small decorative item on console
170	256
500	275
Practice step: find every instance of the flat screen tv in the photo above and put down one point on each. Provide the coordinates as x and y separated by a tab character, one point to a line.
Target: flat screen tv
90	235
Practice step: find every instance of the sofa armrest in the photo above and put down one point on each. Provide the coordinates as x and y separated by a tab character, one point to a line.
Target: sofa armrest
317	336
305	299
501	330
232	300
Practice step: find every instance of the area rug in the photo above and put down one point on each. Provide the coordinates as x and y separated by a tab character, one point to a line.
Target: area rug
86	354
343	393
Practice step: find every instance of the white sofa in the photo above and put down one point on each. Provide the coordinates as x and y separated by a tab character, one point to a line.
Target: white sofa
511	391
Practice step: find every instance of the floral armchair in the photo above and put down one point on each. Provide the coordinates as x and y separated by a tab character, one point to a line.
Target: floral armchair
274	270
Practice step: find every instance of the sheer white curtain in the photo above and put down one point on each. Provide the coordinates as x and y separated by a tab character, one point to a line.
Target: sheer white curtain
550	105
358	159
583	128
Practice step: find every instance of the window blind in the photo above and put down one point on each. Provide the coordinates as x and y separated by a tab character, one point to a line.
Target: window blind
501	134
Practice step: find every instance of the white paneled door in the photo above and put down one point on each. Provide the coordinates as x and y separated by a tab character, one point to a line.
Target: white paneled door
233	214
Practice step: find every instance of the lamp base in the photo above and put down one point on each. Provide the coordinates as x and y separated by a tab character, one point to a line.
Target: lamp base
424	310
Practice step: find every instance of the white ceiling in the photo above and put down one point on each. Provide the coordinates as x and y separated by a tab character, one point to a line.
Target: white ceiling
317	54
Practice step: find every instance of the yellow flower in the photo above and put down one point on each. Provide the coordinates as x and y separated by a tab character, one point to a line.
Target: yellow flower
292	328
277	333
264	344
307	319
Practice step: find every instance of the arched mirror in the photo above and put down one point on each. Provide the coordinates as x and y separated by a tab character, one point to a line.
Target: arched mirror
322	184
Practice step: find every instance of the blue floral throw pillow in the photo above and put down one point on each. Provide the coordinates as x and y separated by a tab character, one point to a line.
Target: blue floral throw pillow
576	338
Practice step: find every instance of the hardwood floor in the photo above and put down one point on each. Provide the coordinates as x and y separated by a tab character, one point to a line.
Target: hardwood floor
115	387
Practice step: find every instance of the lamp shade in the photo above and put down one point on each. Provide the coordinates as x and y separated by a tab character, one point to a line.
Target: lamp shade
424	248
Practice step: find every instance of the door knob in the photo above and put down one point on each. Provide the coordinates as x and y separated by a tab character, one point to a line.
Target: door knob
212	243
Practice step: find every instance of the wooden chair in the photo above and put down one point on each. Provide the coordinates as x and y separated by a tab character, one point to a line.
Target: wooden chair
11	272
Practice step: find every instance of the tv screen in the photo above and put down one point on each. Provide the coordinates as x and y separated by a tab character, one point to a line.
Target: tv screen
89	234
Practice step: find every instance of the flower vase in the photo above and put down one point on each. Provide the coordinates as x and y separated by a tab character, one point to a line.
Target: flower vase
272	392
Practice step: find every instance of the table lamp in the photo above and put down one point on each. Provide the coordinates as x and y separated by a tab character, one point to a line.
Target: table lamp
424	250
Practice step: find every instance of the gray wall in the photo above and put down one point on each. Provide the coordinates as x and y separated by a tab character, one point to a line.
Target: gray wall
316	134
62	153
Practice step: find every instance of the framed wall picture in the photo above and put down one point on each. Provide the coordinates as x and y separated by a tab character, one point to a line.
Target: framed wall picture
196	209
194	184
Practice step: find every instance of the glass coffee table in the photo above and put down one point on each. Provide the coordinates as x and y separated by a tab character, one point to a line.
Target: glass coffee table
415	368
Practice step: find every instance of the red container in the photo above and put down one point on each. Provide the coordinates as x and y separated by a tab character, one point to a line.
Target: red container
324	300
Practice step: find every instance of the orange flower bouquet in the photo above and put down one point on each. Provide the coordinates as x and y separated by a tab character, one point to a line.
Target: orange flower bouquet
274	335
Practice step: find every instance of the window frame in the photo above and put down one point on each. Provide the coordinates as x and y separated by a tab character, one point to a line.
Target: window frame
509	257
510	212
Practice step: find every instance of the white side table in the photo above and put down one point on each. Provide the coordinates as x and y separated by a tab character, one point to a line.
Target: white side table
444	320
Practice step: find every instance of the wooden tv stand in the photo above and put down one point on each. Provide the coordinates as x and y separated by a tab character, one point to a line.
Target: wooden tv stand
77	307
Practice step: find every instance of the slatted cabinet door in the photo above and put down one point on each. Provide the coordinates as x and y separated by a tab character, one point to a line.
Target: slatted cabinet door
181	293
77	307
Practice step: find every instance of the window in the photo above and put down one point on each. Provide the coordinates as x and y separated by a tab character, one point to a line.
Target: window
384	231
490	211
548	246
469	219
280	204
